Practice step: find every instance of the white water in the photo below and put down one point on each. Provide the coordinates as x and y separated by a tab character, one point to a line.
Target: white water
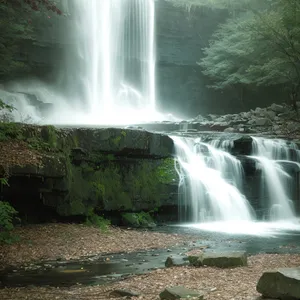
108	73
208	178
211	183
116	62
275	181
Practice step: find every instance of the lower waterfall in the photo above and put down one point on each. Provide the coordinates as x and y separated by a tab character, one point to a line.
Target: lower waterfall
211	187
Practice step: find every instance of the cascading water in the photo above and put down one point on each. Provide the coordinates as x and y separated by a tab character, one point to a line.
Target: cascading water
275	181
114	75
209	182
212	180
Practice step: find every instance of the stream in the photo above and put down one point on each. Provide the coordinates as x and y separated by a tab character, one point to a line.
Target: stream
103	269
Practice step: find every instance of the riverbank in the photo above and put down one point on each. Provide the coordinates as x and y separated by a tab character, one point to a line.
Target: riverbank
226	284
74	241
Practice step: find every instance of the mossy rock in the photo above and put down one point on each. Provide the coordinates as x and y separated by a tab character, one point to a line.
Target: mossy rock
220	260
138	220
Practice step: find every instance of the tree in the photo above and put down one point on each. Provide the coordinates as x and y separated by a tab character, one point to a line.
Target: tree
220	4
257	49
17	27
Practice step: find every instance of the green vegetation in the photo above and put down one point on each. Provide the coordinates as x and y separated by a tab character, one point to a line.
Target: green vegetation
259	45
10	131
166	172
93	219
19	22
7	216
141	219
257	49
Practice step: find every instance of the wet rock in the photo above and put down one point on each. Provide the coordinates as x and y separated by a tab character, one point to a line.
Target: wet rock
270	114
263	122
124	293
229	129
176	260
280	284
180	292
293	126
277	108
221	260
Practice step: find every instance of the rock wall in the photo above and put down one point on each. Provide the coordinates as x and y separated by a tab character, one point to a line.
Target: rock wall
67	172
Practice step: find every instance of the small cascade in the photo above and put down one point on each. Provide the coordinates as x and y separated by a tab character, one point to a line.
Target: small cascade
210	182
273	156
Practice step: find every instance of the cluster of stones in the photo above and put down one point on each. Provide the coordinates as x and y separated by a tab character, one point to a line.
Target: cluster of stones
275	119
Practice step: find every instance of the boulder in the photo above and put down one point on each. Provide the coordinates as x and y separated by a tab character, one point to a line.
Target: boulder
277	108
263	122
176	261
220	260
281	284
180	292
229	129
270	114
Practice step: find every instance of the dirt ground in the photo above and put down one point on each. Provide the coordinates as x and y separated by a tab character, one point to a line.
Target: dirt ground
72	241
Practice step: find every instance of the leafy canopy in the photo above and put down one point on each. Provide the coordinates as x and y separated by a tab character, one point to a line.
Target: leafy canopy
257	48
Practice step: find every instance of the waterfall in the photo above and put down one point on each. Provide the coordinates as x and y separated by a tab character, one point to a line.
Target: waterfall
212	180
209	183
272	155
109	76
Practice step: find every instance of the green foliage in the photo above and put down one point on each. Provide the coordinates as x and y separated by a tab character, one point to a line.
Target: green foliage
219	4
10	131
15	32
166	172
93	219
4	181
141	219
257	48
7	216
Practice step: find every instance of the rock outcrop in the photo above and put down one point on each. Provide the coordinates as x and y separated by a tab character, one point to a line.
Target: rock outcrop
71	171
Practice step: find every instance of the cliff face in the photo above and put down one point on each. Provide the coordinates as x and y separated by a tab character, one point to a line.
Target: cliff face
180	36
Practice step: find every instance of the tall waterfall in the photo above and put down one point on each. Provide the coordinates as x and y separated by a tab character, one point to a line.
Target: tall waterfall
212	180
113	76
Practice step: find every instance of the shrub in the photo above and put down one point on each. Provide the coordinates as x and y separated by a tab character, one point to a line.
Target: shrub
7	216
93	219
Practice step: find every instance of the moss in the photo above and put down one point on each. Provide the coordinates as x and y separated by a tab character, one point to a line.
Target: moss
97	158
166	172
116	141
49	135
109	182
141	219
